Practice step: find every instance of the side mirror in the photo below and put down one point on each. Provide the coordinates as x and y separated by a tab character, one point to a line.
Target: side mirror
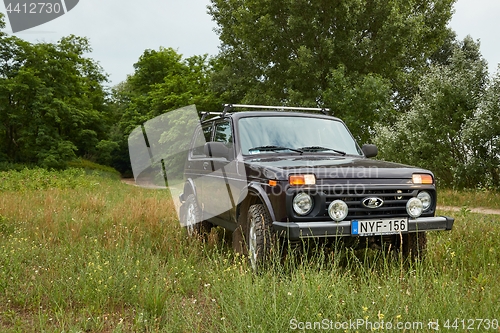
369	150
216	149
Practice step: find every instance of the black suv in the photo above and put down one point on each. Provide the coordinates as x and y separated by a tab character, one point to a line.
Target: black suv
296	175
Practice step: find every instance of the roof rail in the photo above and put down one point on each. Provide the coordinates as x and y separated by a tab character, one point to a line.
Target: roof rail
230	107
205	114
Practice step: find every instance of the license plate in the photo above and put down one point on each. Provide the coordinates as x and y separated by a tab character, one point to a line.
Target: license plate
379	227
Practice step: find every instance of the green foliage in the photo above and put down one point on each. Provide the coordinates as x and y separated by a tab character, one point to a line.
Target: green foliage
163	81
91	167
7	166
481	134
105	150
283	52
52	103
452	126
359	101
360	58
57	155
42	179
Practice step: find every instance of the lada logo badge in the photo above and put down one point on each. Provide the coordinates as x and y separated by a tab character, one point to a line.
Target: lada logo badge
372	202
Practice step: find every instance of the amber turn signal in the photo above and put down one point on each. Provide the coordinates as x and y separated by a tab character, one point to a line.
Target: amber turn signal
296	180
422	178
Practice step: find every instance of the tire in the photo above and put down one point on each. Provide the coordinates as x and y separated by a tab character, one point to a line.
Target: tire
259	237
192	218
414	245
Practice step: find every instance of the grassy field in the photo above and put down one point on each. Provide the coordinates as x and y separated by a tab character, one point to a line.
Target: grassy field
85	253
485	198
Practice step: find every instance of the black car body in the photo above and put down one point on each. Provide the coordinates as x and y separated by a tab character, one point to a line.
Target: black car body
302	175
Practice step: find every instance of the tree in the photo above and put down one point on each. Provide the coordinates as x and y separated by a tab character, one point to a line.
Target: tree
277	50
439	132
361	101
481	135
162	81
362	58
52	103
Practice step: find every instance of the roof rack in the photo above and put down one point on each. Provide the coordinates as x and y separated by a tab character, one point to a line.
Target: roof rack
205	114
230	107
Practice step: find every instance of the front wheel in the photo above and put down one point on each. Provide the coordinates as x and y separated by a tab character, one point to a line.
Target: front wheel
259	237
192	218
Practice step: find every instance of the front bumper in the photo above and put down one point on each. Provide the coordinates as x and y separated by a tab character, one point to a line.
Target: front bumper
298	230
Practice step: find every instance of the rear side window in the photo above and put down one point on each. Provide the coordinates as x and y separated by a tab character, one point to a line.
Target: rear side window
224	134
203	135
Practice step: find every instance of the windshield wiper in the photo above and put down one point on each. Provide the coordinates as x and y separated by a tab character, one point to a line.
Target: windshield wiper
275	148
318	148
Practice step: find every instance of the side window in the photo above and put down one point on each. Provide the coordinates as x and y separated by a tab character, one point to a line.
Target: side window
203	134
224	134
207	132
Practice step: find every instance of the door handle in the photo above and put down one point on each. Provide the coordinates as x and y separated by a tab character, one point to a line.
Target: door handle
205	165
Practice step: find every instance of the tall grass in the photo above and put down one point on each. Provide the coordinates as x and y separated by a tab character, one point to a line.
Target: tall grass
470	198
113	258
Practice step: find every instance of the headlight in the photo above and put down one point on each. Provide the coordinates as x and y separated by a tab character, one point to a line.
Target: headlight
302	203
426	199
338	210
414	207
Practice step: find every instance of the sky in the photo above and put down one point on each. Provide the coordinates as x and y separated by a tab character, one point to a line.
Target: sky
121	30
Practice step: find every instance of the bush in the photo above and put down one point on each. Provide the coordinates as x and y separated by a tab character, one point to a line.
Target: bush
42	179
90	166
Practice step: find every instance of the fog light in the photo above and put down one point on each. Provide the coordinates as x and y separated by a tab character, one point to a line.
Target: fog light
414	207
338	210
426	199
302	203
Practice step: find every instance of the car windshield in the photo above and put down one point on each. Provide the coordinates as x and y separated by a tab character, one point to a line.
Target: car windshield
295	134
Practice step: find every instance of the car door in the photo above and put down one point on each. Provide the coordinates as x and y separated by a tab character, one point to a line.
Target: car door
198	164
218	182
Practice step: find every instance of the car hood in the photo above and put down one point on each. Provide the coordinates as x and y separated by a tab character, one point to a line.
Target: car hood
324	167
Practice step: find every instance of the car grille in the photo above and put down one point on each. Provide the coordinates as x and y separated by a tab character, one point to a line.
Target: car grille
394	202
